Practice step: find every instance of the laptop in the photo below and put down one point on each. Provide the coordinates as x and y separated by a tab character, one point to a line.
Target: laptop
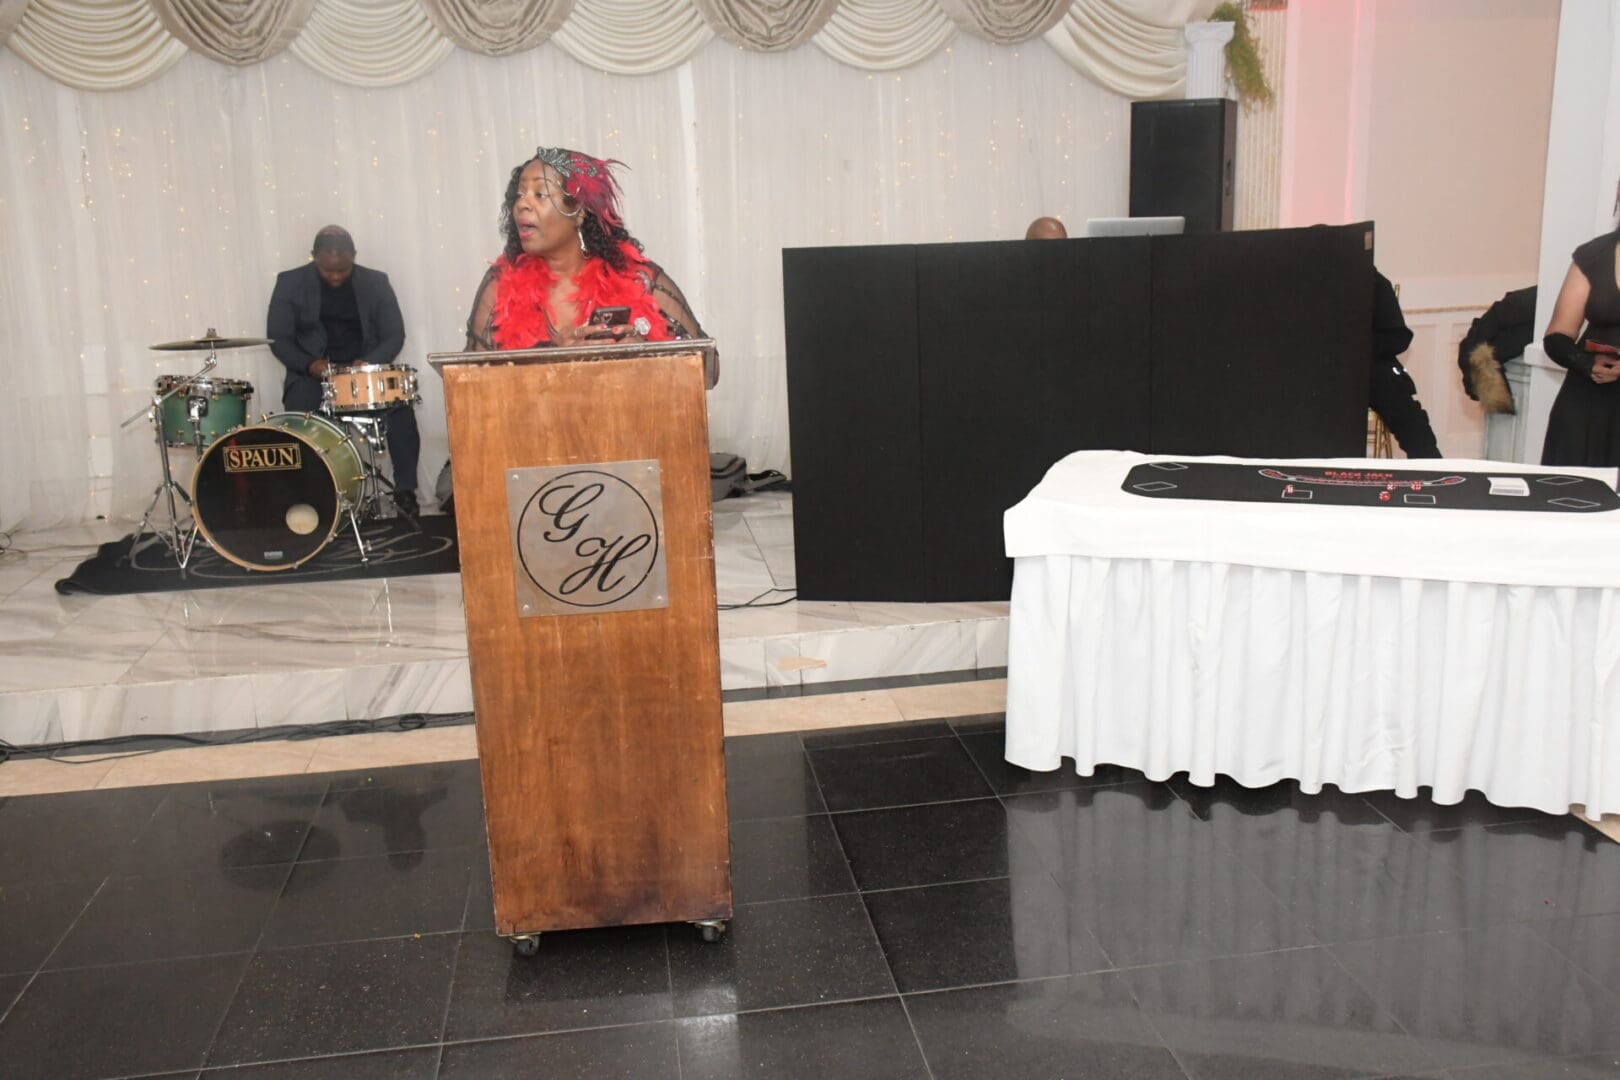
1134	226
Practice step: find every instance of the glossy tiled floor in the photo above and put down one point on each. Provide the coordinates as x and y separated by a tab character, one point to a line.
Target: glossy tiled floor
908	905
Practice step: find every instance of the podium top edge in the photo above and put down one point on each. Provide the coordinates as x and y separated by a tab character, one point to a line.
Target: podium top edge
554	355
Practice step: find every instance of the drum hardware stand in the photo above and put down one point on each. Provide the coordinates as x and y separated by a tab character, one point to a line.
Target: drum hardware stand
374	430
359	541
179	547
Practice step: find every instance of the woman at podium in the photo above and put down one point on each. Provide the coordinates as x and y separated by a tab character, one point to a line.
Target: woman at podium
571	272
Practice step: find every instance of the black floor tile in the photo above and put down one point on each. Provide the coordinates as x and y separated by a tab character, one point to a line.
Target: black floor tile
904	731
750	746
638	1052
33	918
1281	800
123	1021
1075	829
166	917
858	1040
1290	1015
791	952
1584	1067
457	775
334	999
787	859
943	936
10	987
1348	874
1422	813
226	824
421	892
979	723
579	978
1052	1029
778	784
1148	877
433	811
1496	994
1592	944
1552	868
77	836
896	774
419	1064
480	912
988	747
930	845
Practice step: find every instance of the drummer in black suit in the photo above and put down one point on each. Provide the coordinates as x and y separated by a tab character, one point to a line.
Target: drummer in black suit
330	312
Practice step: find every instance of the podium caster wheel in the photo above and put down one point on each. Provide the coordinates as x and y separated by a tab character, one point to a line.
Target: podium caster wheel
526	944
712	929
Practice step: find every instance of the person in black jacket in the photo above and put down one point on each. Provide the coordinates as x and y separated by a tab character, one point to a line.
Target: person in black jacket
330	312
1391	391
1494	338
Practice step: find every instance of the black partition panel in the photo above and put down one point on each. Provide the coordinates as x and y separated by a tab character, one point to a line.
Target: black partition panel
1261	342
853	411
1013	380
930	387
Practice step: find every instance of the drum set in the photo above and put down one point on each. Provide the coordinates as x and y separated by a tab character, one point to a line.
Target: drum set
268	495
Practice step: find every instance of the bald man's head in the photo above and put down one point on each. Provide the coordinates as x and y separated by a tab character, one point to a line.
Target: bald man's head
1046	228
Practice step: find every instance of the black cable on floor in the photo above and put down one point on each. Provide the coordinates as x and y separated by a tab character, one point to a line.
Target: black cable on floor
755	601
287	732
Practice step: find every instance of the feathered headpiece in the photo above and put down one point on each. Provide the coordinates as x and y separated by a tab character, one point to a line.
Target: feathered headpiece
588	180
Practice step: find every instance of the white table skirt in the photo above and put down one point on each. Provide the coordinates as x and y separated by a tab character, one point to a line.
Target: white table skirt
1367	683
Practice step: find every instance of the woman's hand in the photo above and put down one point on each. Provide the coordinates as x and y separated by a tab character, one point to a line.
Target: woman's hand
572	336
1605	369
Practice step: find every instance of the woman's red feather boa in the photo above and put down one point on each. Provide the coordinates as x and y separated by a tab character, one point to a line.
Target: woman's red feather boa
526	282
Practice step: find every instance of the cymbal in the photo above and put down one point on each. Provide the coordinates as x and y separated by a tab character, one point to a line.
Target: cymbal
210	341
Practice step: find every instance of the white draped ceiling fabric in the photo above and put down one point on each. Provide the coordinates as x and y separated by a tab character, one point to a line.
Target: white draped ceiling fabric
164	158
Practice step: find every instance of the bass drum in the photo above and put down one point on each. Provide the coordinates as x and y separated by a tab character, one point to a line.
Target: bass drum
271	495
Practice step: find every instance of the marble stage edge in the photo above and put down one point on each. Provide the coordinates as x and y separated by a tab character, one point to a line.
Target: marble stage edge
83	667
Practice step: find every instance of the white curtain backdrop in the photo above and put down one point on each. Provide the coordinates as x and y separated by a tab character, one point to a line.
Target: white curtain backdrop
154	213
1129	46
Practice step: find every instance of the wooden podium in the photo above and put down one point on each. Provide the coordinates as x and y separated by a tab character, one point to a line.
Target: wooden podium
587	567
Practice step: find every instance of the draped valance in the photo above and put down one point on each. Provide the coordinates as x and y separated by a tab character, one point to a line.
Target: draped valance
1132	47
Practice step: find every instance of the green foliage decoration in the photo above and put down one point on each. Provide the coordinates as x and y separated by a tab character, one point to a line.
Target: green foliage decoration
1243	56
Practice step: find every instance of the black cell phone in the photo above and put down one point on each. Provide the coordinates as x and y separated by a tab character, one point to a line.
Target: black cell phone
610	316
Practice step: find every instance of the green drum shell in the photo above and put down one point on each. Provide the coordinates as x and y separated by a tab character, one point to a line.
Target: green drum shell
333	442
241	514
227	408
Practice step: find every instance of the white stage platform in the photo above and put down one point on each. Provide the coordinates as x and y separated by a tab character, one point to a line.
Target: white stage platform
82	667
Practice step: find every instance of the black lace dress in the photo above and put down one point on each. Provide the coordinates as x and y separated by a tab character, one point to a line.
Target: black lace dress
678	317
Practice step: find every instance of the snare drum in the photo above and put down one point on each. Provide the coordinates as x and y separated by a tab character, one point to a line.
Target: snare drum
271	496
217	404
368	387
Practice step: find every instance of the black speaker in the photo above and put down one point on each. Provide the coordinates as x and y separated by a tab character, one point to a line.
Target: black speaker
1182	159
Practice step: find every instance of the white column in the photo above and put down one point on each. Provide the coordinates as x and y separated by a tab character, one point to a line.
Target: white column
1206	58
1583	164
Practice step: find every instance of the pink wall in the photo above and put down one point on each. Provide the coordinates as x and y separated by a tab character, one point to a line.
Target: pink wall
1319	83
1430	118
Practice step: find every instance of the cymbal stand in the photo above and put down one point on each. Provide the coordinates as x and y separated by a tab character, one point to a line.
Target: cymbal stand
179	545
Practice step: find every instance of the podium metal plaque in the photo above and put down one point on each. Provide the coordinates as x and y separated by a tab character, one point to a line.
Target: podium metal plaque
587	539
